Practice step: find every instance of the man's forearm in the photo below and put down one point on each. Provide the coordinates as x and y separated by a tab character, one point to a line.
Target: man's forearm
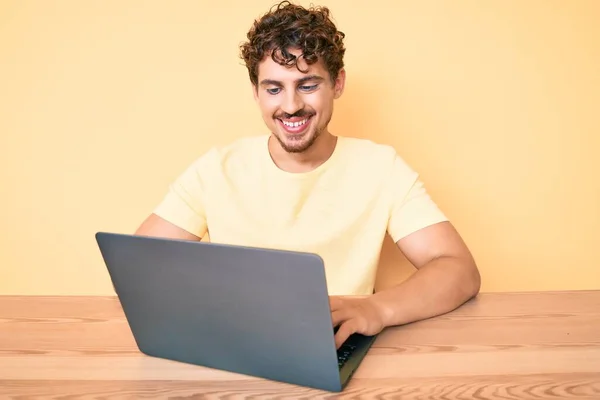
438	287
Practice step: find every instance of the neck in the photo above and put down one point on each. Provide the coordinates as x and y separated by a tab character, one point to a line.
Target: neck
315	155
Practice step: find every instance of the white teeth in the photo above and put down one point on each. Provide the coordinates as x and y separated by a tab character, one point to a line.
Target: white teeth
295	124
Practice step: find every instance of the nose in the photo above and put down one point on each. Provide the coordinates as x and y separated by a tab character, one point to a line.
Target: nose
292	103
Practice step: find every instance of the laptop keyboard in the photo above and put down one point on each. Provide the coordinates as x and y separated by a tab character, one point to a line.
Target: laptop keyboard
345	351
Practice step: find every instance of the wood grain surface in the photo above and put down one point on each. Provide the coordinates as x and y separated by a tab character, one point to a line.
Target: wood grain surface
498	346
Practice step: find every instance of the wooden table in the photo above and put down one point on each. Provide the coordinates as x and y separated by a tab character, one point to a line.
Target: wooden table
498	346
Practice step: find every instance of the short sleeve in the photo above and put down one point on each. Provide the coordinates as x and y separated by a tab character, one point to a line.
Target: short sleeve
184	202
412	208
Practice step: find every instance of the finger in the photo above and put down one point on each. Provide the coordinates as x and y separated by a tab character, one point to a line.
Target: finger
346	329
341	315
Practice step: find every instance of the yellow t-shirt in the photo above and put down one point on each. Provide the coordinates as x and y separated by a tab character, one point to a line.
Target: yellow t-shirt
341	210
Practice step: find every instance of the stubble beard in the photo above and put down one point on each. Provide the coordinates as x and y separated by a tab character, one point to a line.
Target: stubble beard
302	144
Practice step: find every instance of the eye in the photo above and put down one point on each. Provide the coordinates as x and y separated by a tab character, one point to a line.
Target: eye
273	90
308	88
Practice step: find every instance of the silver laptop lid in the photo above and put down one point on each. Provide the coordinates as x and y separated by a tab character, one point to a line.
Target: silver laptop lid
258	312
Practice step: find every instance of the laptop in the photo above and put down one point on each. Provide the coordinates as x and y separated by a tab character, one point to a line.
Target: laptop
253	311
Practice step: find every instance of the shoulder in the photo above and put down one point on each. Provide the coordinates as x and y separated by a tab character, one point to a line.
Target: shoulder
378	164
366	146
238	153
360	149
372	155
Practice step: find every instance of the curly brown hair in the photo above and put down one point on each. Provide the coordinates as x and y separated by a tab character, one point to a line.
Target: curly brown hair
289	26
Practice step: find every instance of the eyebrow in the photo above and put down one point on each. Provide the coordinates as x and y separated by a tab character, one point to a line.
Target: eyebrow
302	80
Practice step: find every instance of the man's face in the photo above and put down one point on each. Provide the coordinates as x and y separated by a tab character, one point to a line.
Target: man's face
296	106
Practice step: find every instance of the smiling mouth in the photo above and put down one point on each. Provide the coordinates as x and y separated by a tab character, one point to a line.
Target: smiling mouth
295	125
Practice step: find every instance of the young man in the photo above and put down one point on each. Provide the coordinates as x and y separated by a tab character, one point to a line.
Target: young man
303	188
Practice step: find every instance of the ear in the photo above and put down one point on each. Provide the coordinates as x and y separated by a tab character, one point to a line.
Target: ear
255	92
340	83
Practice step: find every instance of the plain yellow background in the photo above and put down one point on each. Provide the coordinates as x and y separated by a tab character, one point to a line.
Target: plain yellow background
496	103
